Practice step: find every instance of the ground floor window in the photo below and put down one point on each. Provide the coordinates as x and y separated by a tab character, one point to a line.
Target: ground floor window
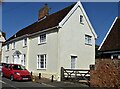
41	61
73	62
115	56
23	60
7	59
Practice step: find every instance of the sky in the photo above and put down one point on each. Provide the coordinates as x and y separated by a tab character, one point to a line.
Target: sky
18	15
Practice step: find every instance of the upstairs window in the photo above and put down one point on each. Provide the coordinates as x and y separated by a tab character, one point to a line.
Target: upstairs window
81	19
13	45
25	42
42	39
7	47
88	40
7	59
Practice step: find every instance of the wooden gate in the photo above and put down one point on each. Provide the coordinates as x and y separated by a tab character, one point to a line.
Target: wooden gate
75	75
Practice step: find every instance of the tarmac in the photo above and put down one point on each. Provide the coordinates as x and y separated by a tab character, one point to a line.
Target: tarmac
59	84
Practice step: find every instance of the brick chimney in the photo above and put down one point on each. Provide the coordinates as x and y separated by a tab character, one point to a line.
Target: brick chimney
43	12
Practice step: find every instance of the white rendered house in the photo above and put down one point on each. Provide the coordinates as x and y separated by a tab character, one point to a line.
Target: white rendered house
63	39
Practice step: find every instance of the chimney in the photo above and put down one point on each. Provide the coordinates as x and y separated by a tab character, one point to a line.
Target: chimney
43	12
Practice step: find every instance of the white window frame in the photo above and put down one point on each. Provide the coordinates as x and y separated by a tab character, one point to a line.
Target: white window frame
7	59
23	61
88	40
39	61
81	19
42	39
73	62
25	42
7	47
13	45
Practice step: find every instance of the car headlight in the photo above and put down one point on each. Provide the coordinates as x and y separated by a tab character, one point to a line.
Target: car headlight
17	73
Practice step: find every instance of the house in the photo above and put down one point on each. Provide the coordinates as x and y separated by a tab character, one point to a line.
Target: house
2	39
63	39
110	47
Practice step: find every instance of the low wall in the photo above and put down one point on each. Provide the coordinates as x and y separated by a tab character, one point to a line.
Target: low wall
106	73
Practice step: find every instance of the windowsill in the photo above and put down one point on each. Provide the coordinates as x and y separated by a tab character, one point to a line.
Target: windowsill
42	43
25	46
7	50
88	44
41	68
82	23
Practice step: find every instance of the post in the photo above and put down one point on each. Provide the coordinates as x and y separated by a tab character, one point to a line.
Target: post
62	74
52	78
31	73
39	75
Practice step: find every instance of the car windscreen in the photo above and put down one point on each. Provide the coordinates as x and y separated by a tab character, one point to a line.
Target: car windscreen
18	67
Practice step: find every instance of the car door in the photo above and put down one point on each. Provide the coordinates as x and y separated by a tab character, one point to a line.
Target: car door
4	69
7	70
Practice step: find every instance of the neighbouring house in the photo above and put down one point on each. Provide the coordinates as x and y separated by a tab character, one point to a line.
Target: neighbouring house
2	39
110	47
63	39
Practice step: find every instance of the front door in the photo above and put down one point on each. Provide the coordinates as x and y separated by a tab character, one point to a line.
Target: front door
17	59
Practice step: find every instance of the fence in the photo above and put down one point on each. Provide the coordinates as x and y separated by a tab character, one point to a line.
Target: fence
75	74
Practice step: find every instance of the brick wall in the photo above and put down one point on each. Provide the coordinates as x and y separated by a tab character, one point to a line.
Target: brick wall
106	73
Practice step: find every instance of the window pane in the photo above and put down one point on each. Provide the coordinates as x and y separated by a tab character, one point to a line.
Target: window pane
41	61
88	39
25	41
73	61
42	38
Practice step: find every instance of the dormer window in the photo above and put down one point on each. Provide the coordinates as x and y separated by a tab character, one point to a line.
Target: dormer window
81	19
25	42
13	45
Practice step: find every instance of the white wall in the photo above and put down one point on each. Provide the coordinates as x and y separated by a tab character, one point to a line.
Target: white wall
19	47
50	48
72	43
60	46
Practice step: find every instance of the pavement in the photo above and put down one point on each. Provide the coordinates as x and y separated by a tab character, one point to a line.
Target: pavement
59	84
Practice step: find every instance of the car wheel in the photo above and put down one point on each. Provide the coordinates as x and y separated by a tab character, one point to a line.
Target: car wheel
11	77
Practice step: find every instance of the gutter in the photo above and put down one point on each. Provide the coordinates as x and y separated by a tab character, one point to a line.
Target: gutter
43	31
110	52
29	35
17	38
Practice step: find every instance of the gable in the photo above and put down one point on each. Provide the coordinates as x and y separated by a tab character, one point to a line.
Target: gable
83	12
112	40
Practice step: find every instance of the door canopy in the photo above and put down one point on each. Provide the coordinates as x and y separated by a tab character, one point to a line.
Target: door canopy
17	53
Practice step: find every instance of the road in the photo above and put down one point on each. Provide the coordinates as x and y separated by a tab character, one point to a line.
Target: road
8	84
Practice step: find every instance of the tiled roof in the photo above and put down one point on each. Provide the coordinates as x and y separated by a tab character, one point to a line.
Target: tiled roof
50	21
112	42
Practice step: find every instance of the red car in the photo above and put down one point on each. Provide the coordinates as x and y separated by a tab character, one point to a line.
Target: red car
15	72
